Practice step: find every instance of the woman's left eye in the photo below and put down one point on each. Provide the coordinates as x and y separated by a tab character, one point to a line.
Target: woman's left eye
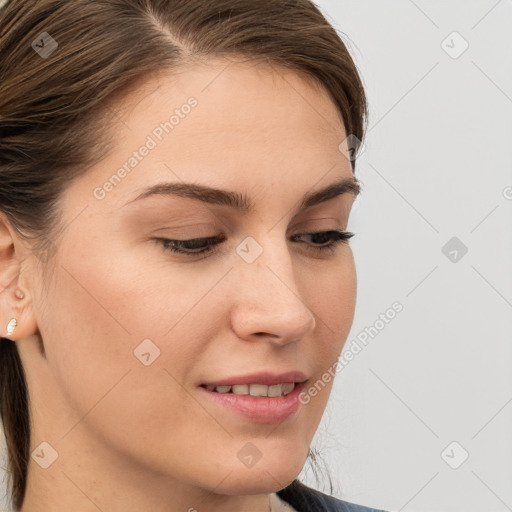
206	245
337	237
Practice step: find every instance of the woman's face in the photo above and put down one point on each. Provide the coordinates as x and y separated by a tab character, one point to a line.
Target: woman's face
131	330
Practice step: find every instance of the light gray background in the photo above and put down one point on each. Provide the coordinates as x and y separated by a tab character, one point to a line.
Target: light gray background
436	165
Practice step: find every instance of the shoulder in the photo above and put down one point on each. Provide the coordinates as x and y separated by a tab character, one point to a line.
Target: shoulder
306	499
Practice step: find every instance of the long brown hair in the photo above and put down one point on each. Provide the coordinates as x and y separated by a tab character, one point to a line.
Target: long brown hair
61	64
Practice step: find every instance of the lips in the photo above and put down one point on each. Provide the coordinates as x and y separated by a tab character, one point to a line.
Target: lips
266	378
257	409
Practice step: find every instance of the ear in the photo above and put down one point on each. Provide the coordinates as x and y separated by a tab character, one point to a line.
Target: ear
14	277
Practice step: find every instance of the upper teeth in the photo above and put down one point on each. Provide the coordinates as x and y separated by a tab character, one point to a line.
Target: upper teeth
255	389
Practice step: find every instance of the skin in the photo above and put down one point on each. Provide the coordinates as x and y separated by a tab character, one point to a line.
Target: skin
131	437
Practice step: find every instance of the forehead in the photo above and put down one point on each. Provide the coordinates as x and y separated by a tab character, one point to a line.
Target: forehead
236	99
251	125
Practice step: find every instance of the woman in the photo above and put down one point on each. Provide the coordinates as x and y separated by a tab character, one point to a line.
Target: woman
176	178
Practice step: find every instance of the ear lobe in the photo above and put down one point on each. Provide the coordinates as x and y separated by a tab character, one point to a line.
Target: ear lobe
20	309
11	289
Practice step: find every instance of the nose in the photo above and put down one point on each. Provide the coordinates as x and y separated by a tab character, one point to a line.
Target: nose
268	299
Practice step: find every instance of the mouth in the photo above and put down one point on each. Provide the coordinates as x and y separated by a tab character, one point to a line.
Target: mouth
275	390
259	403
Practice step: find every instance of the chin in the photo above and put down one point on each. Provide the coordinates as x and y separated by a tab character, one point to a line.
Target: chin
265	476
253	484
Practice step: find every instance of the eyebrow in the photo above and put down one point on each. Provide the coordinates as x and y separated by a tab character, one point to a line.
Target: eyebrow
241	202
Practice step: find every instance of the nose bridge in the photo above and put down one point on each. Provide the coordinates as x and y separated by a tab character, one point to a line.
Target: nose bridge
269	300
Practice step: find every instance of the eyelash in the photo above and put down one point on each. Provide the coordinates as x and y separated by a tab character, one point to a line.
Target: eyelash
176	246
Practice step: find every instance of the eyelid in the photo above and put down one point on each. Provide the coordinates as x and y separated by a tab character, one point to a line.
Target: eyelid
306	228
201	230
210	231
338	238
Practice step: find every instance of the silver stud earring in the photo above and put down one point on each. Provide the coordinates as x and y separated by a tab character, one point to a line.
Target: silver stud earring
11	326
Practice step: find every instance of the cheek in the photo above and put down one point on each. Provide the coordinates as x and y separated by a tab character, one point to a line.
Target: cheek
101	307
92	325
88	351
332	299
92	321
